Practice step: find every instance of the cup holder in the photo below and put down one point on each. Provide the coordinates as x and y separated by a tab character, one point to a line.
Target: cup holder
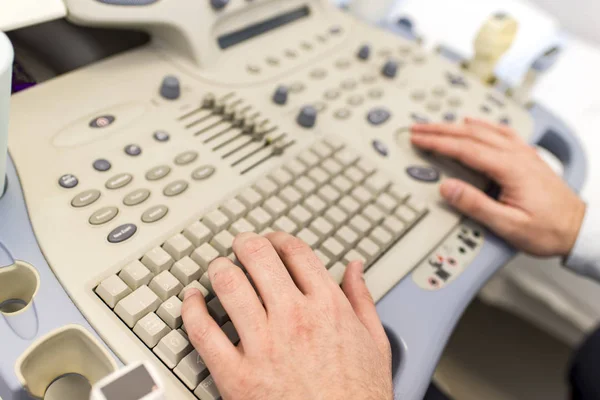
19	284
64	365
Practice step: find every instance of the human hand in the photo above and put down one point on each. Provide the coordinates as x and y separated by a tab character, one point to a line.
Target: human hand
310	340
536	211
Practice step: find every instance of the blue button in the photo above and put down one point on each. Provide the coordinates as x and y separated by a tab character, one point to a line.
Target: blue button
161	136
102	165
423	174
68	181
122	233
133	150
378	116
380	147
419	119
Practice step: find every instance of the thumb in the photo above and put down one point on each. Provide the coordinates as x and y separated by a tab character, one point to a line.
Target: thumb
475	204
362	302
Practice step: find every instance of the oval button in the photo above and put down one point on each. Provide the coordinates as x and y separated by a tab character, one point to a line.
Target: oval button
122	233
158	173
119	181
203	172
86	198
175	188
155	214
104	215
186	158
423	174
136	197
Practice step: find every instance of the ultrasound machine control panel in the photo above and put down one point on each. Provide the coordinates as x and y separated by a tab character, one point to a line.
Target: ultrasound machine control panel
126	178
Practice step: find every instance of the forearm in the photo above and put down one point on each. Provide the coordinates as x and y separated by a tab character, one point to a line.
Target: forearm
585	256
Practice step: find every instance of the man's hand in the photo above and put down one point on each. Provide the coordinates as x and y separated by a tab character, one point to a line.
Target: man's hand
309	340
536	212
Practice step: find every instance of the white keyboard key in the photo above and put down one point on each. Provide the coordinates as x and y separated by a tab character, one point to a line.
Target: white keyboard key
112	290
336	216
346	157
315	205
196	285
333	142
342	184
329	194
377	183
197	233
291	196
333	249
178	247
139	303
305	186
394	226
282	177
266	187
362	195
322	150
165	285
419	207
321	227
332	167
172	348
157	260
204	255
259	218
355	175
309	158
135	274
386	203
295	167
234	209
324	259
406	214
275	206
373	214
382	237
308	237
250	197
360	224
186	271
151	329
223	243
240	226
337	272
349	205
191	370
216	221
368	248
284	224
318	175
300	215
366	166
346	236
170	312
205	281
398	193
352	256
207	390
266	231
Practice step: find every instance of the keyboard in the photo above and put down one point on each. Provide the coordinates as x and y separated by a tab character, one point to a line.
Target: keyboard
330	197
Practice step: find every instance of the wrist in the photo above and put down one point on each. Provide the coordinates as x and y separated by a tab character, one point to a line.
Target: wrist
570	232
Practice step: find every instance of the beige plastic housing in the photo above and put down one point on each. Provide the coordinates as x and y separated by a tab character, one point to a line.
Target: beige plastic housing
68	350
19	284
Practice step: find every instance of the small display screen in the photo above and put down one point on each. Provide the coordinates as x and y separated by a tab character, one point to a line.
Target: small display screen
239	36
134	385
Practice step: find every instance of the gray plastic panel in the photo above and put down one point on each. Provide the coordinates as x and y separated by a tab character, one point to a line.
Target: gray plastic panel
52	307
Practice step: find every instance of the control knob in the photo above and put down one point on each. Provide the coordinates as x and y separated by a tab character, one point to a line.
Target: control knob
170	88
390	69
307	117
281	95
364	52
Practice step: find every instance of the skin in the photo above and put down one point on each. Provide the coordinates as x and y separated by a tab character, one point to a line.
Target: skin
310	340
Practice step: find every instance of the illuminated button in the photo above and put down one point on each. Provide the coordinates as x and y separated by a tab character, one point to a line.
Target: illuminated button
175	188
133	150
102	121
136	197
155	214
104	215
158	173
119	181
186	158
68	181
86	198
101	165
122	233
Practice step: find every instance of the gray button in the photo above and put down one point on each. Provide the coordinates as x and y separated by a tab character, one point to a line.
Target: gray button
342	113
456	80
297	87
349	84
155	214
390	69
342	63
356	100
332	94
378	116
133	150
85	198
175	188
380	148
161	136
281	95
122	233
102	165
449	117
102	121
364	52
218	4
203	172
423	174
368	78
104	215
186	158
136	197
318	73
307	117
375	94
119	181
505	121
420	119
68	181
158	173
170	88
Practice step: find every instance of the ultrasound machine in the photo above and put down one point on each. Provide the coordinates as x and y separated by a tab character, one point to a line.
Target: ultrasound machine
127	177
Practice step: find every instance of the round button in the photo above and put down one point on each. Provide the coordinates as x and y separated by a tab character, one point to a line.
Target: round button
369	78
68	181
289	53
335	30
349	84
253	68
102	165
423	174
133	150
170	88
104	215
186	158
450	117
86	198
218	4
122	233
418	95
306	46
155	214
161	136
375	94
434	106
342	63
297	87
320	106
356	100
342	114
380	148
102	121
504	121
439	91
332	94
158	173
378	116
272	61
321	38
136	197
118	181
204	172
307	118
454	101
318	73
485	109
175	188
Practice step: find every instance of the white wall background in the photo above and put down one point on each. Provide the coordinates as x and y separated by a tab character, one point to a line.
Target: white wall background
580	17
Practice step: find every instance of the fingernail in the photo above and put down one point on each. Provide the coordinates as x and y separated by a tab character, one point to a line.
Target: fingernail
451	191
190	292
